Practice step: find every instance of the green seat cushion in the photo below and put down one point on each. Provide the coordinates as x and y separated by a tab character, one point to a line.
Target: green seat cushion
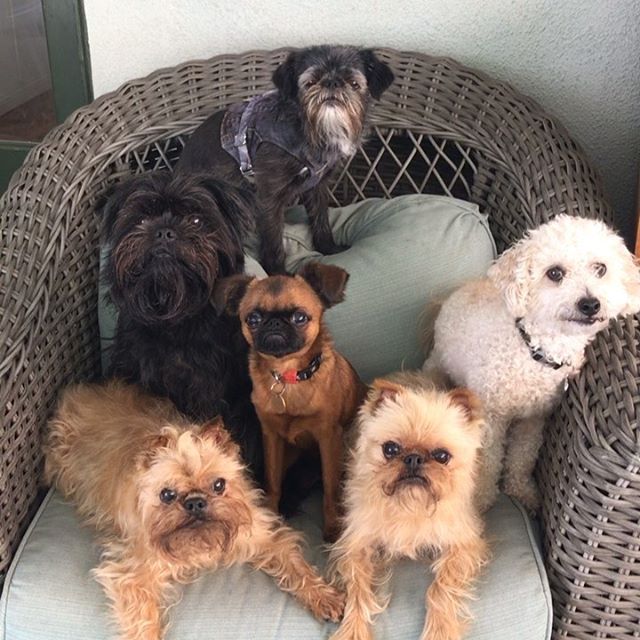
49	593
402	252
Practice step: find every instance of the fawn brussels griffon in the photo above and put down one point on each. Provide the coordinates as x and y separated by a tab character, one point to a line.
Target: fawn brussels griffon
170	499
170	239
409	492
304	391
288	141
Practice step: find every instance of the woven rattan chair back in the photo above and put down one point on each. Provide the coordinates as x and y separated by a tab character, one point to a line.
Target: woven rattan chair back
440	128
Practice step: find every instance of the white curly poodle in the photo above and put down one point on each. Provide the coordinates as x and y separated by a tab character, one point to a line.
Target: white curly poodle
518	335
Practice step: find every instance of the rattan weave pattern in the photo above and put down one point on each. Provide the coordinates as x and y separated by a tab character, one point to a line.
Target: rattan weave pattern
441	127
590	476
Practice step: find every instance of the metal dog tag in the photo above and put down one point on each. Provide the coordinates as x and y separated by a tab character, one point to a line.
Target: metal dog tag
278	388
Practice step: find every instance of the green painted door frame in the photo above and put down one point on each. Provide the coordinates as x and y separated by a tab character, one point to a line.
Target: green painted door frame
70	73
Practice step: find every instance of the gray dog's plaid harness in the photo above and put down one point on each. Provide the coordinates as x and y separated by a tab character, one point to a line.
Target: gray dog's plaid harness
246	125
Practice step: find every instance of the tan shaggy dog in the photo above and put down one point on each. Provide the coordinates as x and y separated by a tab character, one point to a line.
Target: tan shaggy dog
409	493
170	499
305	393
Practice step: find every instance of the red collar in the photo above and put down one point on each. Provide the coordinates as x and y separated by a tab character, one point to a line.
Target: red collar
293	376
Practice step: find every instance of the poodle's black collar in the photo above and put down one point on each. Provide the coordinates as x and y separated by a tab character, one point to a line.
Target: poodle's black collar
537	353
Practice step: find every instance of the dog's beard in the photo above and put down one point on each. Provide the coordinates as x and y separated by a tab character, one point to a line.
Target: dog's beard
334	120
185	538
170	288
167	294
408	480
198	536
411	491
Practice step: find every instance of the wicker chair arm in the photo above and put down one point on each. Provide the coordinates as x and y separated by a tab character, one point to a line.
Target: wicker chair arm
48	320
589	472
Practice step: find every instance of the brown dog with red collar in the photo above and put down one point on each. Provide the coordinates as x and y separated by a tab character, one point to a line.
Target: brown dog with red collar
305	393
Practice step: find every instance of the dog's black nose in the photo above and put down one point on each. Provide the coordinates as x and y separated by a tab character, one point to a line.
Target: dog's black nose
332	82
275	323
413	461
589	306
166	234
195	505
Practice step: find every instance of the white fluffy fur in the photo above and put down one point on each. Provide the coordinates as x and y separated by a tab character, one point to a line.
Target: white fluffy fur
477	344
336	130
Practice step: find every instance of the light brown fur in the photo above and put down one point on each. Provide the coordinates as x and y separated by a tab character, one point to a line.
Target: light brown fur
112	450
388	516
311	413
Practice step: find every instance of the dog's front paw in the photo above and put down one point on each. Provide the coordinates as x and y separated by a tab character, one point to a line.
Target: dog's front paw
273	267
353	630
324	243
327	603
334	248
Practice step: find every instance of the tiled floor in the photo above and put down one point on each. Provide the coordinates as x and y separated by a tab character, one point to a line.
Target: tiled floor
30	121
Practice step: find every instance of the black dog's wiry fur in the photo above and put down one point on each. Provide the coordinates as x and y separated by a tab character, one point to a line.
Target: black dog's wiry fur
170	239
320	109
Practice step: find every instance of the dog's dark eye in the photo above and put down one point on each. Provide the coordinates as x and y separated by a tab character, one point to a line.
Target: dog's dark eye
600	269
555	274
442	456
254	319
195	220
299	318
355	85
308	84
219	485
142	219
390	449
168	495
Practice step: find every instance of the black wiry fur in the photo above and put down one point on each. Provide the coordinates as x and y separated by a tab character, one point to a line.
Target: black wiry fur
332	70
171	239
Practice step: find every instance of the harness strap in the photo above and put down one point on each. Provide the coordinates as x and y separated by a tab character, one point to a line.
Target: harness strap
240	133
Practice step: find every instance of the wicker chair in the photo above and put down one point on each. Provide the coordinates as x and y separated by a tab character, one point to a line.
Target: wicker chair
440	128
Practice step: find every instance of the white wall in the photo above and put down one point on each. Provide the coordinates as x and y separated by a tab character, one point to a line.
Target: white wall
579	58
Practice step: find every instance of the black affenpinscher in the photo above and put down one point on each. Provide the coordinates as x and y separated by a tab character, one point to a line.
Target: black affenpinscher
170	239
289	141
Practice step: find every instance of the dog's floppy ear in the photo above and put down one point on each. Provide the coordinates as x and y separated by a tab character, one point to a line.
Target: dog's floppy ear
166	438
468	401
216	432
631	275
511	275
111	202
228	293
381	392
378	74
285	77
327	280
234	204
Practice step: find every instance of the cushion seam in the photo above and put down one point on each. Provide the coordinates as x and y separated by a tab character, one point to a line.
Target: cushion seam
542	573
4	600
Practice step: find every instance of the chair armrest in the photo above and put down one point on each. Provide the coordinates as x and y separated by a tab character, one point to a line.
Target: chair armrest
589	474
48	321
